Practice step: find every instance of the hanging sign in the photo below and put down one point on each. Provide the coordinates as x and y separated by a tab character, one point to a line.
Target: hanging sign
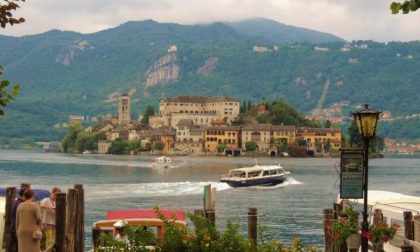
351	174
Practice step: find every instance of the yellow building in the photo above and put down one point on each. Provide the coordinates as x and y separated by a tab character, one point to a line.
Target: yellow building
228	136
316	138
283	134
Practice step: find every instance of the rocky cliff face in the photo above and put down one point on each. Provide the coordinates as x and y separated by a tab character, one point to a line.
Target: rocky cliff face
71	51
208	66
164	69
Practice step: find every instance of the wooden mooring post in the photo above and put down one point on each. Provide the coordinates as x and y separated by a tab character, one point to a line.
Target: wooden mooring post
252	225
60	222
416	220
80	221
7	235
408	225
71	218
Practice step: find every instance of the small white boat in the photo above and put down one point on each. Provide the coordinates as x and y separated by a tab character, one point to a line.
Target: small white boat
393	205
87	152
264	175
161	161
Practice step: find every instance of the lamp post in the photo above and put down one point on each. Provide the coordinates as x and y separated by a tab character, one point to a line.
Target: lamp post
366	120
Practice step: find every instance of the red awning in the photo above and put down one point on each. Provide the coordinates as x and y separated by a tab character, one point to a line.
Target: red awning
145	213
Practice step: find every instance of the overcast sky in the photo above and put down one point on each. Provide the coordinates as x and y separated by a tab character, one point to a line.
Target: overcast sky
348	19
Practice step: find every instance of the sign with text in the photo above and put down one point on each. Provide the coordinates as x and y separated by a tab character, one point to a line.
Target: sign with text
351	174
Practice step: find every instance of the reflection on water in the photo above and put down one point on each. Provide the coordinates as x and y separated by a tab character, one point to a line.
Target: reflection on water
291	209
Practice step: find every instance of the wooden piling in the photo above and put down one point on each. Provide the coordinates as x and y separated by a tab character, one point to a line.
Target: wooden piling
416	220
407	248
252	225
96	233
211	216
338	210
328	218
80	221
7	235
71	219
199	212
60	221
378	217
408	225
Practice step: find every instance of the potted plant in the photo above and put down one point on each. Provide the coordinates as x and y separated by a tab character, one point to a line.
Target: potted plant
345	229
380	233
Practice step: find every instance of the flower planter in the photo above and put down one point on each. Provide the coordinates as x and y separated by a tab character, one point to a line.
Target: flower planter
353	241
378	246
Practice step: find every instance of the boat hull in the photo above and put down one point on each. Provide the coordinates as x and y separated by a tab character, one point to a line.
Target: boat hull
271	181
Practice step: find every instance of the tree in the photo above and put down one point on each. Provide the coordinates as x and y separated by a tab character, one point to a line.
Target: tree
149	111
158	146
6	17
354	134
118	147
327	124
250	146
220	147
327	146
69	141
406	6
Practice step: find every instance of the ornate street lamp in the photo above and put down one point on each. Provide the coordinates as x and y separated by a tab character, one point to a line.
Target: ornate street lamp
366	120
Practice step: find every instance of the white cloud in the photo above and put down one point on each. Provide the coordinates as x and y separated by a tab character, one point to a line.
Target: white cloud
355	19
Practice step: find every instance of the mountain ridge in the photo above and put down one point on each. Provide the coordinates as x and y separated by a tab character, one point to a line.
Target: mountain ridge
63	73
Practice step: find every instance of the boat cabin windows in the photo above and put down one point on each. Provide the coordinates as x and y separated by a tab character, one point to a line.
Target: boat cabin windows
240	174
254	174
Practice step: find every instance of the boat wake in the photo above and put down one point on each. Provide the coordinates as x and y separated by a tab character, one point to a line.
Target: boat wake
101	191
287	182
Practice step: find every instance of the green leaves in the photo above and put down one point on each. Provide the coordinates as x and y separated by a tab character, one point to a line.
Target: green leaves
6	16
5	96
406	7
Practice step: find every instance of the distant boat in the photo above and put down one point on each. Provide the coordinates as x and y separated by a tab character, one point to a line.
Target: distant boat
264	175
87	152
161	161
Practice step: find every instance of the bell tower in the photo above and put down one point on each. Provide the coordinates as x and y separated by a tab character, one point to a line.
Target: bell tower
124	112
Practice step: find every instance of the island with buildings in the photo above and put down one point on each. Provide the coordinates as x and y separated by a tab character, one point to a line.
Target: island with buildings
200	125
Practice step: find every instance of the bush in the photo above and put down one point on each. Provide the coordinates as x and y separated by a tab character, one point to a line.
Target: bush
205	238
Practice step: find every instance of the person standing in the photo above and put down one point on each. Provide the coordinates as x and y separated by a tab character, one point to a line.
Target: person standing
48	217
28	223
19	199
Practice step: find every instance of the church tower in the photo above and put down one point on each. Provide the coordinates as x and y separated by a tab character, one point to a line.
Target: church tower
124	112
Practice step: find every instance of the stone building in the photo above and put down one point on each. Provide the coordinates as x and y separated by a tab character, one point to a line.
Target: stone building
189	137
201	110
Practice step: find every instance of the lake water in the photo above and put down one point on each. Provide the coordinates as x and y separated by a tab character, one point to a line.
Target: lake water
292	209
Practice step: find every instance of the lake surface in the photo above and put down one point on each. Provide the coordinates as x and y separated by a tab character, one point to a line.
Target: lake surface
292	209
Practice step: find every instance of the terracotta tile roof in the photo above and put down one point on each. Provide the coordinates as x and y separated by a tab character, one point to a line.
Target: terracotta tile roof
225	128
185	122
199	99
257	127
301	130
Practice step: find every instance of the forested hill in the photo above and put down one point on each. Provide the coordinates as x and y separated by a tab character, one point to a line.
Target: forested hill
63	73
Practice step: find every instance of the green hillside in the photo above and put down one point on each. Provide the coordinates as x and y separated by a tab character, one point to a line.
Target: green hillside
64	73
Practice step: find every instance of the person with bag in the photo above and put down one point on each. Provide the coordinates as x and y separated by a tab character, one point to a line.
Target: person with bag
19	199
28	223
48	217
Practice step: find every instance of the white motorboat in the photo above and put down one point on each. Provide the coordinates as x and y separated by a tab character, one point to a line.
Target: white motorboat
258	175
161	161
